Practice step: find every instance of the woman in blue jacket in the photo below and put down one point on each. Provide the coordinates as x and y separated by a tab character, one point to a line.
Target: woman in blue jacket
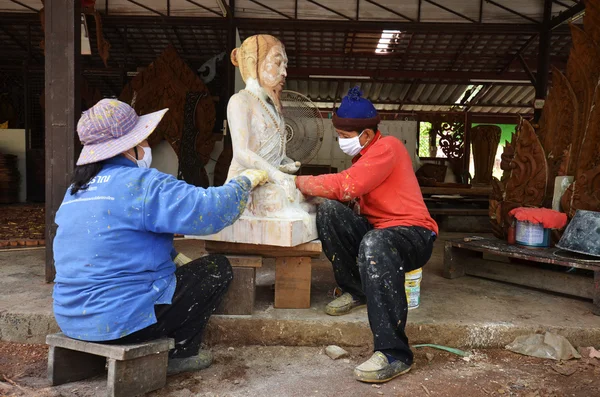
116	274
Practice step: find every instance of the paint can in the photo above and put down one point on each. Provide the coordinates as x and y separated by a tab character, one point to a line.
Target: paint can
532	234
412	287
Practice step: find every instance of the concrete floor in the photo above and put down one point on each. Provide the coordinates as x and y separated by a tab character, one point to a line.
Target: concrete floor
465	312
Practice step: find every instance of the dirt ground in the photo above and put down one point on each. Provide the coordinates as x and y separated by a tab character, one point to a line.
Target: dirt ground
307	371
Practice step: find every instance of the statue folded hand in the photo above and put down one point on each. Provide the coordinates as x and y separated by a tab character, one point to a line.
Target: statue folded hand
290	168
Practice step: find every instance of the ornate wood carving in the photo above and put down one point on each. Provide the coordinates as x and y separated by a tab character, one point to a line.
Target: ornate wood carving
583	72
559	120
528	179
450	127
586	188
165	84
430	174
591	20
485	140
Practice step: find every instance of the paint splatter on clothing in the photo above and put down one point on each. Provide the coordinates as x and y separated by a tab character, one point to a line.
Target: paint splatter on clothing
383	182
371	264
113	250
201	285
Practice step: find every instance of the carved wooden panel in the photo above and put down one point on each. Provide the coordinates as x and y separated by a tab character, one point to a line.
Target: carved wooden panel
450	127
559	121
484	140
527	183
586	189
591	20
165	84
583	72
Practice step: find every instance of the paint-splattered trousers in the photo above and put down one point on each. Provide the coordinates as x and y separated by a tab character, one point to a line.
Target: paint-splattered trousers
201	285
370	264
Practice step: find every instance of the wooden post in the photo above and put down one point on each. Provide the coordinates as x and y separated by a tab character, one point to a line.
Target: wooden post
543	67
292	283
63	107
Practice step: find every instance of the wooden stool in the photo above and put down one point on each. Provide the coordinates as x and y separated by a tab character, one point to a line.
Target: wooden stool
132	369
292	268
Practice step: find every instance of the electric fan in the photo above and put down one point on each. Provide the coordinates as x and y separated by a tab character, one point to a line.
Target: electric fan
303	126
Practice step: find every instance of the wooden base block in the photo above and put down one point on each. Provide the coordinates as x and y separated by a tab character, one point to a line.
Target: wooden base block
66	365
239	299
292	283
268	231
137	376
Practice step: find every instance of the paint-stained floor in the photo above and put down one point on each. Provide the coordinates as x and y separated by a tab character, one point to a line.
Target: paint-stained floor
306	371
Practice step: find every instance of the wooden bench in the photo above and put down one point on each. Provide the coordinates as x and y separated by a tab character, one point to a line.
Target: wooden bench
473	257
292	269
133	370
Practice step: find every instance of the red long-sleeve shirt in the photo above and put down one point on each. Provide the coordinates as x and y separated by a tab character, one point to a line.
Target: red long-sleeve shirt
383	181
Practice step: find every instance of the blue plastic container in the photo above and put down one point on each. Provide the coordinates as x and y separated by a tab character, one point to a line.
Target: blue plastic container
532	234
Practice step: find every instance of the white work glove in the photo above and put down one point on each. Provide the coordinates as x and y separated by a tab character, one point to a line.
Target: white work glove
290	168
257	177
181	260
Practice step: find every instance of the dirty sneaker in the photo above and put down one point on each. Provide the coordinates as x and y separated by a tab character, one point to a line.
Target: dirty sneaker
378	369
195	363
343	305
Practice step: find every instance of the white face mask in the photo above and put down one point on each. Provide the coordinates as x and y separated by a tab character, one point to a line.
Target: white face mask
351	146
146	161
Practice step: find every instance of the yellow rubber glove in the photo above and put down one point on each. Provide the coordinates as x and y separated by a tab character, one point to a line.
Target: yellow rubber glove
181	260
257	177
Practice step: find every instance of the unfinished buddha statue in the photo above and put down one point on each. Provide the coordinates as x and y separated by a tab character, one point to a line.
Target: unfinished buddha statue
258	129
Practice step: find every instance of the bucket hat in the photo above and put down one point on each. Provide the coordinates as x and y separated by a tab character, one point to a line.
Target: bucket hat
112	127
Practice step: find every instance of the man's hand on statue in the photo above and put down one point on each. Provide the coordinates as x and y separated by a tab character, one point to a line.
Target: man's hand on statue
290	168
257	177
288	182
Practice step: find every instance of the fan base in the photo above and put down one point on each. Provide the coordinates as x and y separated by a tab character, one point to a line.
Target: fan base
268	231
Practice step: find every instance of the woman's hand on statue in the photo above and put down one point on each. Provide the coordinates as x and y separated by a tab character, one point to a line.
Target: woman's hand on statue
290	168
257	177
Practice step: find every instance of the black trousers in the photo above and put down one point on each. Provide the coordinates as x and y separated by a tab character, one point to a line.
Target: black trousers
201	285
370	264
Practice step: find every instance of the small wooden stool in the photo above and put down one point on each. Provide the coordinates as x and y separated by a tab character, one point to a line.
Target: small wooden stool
132	369
292	268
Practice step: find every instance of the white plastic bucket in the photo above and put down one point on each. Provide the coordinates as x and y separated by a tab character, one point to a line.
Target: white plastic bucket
412	286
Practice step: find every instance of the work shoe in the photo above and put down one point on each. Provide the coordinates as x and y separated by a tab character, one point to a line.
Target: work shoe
188	364
378	369
343	305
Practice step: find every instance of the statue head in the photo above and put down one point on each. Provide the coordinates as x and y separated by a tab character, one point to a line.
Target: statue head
262	57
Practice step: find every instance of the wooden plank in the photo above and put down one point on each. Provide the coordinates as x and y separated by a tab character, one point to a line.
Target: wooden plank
244	261
63	107
292	283
459	211
544	255
312	249
239	299
473	191
596	297
117	352
531	276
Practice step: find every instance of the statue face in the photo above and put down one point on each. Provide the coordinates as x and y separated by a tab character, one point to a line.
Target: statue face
273	69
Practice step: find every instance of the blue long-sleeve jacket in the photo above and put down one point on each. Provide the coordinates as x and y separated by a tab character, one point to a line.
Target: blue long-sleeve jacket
114	244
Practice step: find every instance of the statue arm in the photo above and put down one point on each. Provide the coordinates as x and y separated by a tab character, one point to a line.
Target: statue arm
239	115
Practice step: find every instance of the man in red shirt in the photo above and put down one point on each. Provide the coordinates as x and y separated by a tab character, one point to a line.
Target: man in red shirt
388	233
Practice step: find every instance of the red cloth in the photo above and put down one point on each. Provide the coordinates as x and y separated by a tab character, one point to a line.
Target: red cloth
383	180
549	218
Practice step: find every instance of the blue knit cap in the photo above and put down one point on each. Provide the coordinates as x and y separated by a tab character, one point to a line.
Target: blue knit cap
355	112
